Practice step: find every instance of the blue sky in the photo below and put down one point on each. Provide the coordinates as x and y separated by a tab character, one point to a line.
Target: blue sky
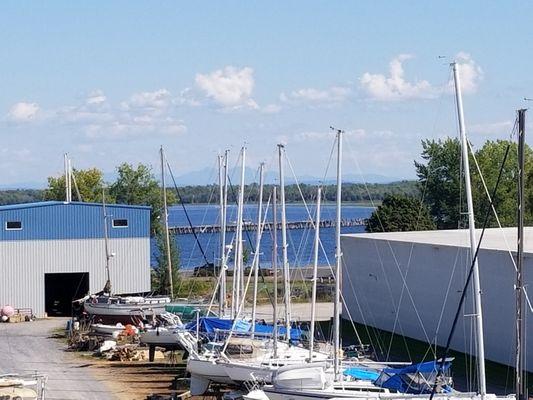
111	81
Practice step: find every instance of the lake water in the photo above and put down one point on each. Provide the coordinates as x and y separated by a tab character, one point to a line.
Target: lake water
300	241
300	254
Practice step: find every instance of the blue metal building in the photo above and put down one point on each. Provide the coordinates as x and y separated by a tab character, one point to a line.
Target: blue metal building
52	252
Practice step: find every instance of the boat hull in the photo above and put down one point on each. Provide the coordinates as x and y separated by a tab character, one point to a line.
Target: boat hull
162	337
123	313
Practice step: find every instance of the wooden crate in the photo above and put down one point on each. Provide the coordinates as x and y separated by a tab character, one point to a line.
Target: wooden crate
17	318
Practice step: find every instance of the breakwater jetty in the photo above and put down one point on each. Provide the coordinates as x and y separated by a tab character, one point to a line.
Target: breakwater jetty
252	226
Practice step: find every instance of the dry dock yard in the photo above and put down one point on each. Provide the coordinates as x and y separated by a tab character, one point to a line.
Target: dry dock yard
29	347
41	347
33	347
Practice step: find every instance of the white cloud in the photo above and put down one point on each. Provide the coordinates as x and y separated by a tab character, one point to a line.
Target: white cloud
271	109
332	95
470	73
229	87
96	97
23	111
142	114
502	128
19	154
395	86
153	102
136	127
328	135
186	97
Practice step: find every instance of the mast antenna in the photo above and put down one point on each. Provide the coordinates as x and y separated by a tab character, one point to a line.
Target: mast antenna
521	391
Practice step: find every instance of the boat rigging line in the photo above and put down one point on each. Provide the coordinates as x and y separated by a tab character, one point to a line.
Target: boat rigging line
165	222
488	213
251	244
187	214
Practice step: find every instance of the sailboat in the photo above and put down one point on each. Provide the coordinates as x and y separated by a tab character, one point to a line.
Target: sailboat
104	307
166	330
14	386
261	369
317	382
254	356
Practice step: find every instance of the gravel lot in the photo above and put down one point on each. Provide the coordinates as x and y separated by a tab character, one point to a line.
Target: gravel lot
28	348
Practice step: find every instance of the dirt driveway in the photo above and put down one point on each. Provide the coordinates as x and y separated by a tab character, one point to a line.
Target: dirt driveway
27	348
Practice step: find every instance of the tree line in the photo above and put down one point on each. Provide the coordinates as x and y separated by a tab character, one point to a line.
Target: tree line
90	184
440	202
138	185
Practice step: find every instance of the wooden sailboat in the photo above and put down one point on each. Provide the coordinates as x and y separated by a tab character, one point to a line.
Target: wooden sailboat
104	307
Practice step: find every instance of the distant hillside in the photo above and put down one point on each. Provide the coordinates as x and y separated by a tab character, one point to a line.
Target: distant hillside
17	196
208	176
352	192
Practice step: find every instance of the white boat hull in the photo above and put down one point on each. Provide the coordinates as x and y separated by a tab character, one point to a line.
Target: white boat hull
239	372
279	394
18	393
163	337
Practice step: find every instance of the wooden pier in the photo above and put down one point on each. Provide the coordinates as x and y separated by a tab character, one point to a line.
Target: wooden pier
252	226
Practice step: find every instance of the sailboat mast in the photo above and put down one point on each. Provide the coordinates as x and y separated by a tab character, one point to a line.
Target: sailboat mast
222	274
286	273
275	267
68	188
315	273
255	266
165	220
69	175
223	283
473	241
338	265
520	344
107	287
238	241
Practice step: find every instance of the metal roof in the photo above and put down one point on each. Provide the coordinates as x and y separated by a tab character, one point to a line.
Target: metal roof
494	238
59	220
55	202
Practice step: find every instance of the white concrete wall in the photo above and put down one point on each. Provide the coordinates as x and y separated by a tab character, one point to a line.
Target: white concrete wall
24	263
434	275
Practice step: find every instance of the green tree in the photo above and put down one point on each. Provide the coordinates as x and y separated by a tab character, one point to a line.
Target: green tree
490	158
90	183
440	180
138	185
400	213
160	276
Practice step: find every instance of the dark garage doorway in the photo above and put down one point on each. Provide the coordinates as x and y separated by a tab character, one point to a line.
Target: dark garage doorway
61	289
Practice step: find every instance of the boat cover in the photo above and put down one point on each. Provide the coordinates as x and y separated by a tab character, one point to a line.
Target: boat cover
362	373
296	333
185	311
416	378
210	325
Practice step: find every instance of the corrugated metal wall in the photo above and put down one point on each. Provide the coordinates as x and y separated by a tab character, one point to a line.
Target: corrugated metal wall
23	264
57	220
424	308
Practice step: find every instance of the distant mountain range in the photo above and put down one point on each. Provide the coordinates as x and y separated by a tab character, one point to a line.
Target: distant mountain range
208	176
24	185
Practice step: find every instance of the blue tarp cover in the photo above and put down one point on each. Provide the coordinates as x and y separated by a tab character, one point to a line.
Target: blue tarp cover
210	324
362	373
296	333
398	378
425	367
